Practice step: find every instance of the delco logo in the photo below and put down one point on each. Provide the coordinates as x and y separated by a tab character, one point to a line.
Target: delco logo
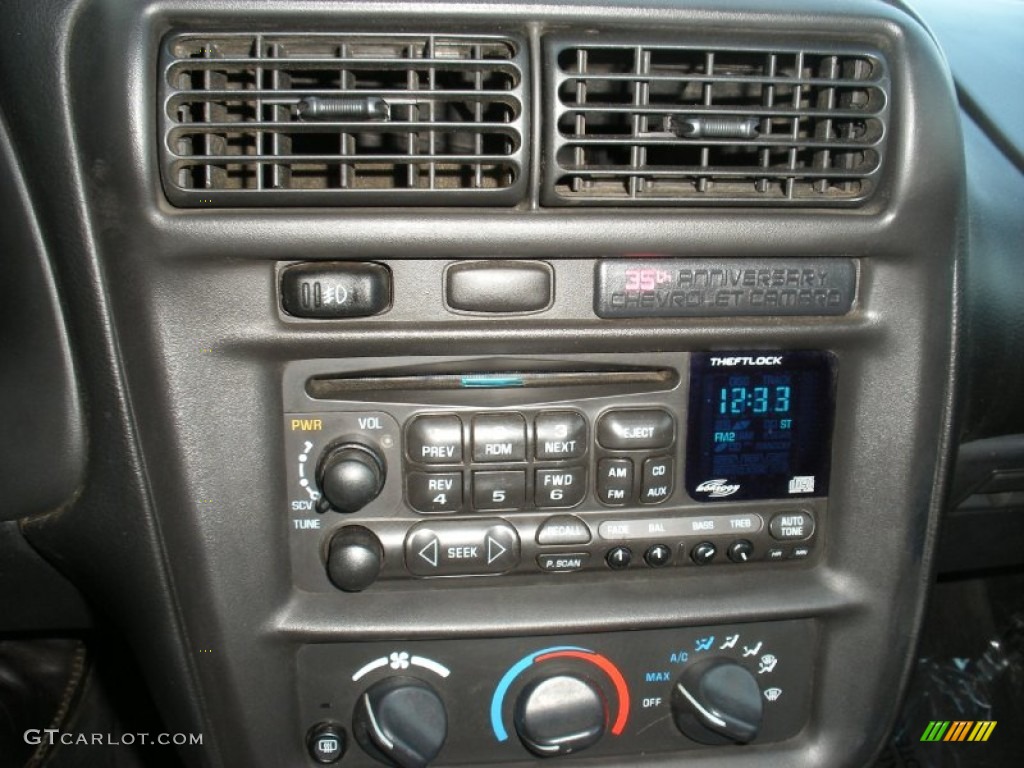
733	361
717	489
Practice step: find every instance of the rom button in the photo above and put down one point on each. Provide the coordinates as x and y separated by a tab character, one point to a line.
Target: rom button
456	548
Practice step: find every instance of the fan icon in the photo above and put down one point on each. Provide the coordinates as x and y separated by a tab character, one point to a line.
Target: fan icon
399	660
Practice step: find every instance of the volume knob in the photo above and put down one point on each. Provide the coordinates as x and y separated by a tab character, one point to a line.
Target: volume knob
350	476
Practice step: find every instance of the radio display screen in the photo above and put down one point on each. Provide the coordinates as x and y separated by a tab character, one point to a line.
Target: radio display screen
759	425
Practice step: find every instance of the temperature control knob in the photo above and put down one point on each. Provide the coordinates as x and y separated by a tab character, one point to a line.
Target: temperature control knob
401	721
561	714
350	476
717	701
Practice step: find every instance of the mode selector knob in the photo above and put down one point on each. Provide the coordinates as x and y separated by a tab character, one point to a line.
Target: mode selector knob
401	721
717	701
350	476
560	715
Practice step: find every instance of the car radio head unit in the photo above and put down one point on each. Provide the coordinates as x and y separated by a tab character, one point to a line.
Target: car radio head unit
463	466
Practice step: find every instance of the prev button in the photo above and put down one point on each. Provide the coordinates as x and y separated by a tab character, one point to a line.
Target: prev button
455	548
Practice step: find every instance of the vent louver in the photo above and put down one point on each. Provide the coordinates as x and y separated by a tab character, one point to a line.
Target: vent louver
343	119
664	124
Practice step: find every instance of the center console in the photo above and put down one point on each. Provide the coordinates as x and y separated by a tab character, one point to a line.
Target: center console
508	383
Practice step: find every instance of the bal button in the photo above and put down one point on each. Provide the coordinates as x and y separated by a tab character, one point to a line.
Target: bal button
658	556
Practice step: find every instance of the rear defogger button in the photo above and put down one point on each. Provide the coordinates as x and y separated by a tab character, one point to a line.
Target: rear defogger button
636	430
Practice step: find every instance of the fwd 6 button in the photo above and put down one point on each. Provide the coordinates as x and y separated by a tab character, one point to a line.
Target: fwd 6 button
457	548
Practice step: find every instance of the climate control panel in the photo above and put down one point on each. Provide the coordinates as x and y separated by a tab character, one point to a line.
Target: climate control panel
489	701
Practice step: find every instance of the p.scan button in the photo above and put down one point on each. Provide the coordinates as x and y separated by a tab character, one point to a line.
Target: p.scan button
457	548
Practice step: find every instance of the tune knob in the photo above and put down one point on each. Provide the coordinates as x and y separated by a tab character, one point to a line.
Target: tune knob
560	714
717	701
354	558
401	721
350	476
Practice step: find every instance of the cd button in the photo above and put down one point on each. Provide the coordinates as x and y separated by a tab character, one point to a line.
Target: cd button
435	440
560	435
499	437
658	481
563	530
636	430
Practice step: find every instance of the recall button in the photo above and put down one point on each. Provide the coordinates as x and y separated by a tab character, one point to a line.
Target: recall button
791	526
563	563
635	430
563	530
457	548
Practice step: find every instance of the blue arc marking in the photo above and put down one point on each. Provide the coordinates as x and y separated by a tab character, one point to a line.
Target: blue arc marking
513	672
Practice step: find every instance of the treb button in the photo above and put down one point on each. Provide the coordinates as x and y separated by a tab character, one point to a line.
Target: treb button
563	530
457	548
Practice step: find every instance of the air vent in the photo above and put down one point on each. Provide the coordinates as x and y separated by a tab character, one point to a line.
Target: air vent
669	124
343	119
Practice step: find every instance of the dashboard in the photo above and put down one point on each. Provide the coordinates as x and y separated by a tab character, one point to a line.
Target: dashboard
469	383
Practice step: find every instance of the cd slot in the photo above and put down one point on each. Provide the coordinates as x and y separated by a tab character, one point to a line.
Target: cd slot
478	384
